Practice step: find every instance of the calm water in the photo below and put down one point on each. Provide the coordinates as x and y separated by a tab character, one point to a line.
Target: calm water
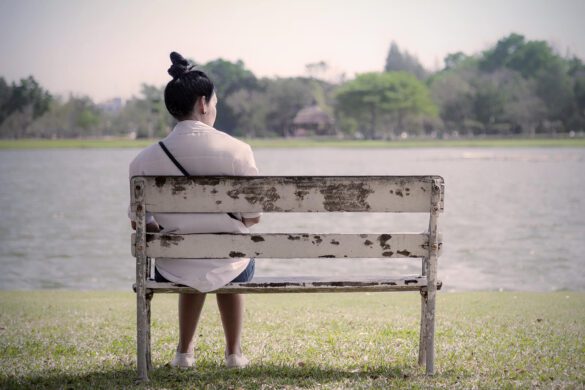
514	218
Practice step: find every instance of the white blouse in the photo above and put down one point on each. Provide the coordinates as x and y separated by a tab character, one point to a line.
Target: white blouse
201	150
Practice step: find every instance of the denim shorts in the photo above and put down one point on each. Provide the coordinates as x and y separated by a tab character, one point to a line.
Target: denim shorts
245	276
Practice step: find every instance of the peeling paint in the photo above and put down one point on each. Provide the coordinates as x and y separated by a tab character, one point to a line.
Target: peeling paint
344	284
334	242
177	188
160	181
368	243
347	197
404	252
206	181
293	238
268	285
327	257
237	254
387	254
166	240
383	239
254	194
257	239
300	194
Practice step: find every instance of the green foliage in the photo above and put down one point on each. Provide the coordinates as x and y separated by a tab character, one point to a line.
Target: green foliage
516	87
381	102
228	78
20	105
402	61
286	96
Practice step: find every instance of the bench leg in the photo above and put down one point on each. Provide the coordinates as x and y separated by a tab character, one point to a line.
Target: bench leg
430	331
148	340
142	325
429	307
423	329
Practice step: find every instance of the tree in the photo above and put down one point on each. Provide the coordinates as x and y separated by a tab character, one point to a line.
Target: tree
398	61
285	98
454	60
228	77
372	97
452	90
25	101
250	108
145	115
499	56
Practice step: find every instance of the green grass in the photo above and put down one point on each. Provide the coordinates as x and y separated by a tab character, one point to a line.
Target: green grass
73	143
303	143
52	339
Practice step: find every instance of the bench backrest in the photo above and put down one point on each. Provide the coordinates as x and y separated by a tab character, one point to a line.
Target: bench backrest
413	194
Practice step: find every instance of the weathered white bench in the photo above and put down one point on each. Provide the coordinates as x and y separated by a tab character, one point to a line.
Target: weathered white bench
396	194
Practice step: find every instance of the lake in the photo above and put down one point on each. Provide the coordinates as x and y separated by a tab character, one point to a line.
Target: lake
514	218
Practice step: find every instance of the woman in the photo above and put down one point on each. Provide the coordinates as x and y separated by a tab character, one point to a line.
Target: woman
199	149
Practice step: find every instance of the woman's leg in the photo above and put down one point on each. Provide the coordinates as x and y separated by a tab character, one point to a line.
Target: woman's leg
231	309
190	306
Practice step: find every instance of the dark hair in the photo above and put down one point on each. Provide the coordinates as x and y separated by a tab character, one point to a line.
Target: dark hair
187	85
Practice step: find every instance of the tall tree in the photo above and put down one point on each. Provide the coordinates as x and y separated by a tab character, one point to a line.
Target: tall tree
373	97
228	77
26	101
402	61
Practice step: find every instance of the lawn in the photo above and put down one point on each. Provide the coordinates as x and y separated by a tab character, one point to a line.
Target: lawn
65	339
304	143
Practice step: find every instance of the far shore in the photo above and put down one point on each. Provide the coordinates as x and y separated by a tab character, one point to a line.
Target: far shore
115	143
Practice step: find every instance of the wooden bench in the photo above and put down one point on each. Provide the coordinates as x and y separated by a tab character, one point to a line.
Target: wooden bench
281	194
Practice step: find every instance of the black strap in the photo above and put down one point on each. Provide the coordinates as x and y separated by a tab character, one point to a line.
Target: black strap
172	158
184	172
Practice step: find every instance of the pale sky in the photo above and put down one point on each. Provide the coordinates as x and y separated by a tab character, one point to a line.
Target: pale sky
107	48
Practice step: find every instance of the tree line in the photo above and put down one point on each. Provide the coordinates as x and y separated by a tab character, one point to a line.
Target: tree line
516	87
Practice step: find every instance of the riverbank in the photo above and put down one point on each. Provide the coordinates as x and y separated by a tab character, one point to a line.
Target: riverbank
306	143
54	339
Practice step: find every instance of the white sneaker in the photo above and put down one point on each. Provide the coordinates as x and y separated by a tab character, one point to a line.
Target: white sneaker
183	360
236	361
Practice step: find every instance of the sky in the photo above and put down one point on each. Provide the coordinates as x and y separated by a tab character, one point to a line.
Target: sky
108	48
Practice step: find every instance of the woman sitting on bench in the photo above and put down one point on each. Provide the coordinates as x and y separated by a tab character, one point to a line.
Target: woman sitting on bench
195	148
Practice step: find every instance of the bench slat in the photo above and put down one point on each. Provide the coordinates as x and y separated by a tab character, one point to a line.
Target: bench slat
288	193
287	245
306	284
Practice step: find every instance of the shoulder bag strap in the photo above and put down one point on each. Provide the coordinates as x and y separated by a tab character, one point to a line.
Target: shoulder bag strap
184	172
173	159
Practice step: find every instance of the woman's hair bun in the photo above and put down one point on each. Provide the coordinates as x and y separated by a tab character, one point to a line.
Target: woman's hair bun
180	65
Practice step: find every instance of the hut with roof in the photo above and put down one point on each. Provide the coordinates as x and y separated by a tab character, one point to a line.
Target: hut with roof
313	120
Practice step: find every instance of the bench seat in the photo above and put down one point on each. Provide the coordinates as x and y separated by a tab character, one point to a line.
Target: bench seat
306	284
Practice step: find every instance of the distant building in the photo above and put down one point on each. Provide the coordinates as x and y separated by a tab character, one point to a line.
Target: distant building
313	121
112	106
